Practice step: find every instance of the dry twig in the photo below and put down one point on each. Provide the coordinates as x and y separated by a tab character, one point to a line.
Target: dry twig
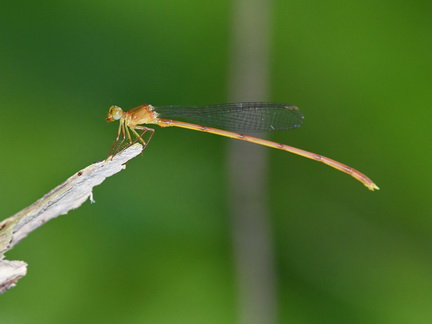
69	195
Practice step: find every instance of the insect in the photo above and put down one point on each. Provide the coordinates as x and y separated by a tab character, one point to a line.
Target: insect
229	120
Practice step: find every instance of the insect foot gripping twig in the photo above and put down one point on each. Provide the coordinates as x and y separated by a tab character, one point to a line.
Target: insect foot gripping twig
69	195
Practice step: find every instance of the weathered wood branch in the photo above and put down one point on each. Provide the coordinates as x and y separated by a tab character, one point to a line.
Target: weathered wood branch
67	196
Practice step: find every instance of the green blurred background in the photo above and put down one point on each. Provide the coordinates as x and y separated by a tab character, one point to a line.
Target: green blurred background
156	247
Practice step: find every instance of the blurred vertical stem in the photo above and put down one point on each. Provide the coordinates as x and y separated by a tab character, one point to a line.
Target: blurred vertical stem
251	230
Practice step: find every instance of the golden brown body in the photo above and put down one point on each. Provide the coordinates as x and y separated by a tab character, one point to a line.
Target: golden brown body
147	114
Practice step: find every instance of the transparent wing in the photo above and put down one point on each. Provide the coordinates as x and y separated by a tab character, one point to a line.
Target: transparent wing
237	117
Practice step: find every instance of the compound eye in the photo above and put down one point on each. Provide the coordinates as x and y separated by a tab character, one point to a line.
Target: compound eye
115	113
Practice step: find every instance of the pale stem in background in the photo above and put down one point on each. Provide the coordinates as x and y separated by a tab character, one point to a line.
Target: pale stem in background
251	229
